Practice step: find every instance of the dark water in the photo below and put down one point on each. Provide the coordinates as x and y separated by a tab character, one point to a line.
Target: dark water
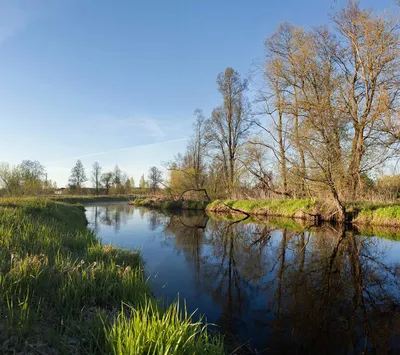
281	287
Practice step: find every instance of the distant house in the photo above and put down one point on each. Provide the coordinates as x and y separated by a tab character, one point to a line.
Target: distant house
59	191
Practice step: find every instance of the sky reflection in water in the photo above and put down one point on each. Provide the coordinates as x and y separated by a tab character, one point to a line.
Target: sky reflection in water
282	286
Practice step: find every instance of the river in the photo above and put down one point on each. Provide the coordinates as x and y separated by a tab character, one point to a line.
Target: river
276	285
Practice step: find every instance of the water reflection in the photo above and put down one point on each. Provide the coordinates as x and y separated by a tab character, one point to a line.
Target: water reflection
109	215
322	290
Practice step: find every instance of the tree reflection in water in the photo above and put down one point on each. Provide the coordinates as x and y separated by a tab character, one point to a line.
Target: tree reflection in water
325	290
110	215
285	288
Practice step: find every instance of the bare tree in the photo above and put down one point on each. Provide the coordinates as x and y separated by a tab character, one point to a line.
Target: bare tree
286	56
301	99
369	62
78	176
228	127
196	149
106	180
155	178
324	126
255	160
117	175
96	176
275	130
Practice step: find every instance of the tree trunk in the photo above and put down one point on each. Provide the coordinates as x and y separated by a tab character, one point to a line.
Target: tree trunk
355	163
341	210
298	144
282	152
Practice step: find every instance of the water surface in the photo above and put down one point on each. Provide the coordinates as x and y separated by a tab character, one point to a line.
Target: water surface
280	286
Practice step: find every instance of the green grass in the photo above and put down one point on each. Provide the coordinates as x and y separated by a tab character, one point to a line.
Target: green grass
141	202
275	222
379	216
194	205
281	208
170	205
362	213
144	203
61	291
357	206
147	330
88	199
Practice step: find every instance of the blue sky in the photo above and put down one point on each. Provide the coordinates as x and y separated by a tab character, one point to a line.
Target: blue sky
92	78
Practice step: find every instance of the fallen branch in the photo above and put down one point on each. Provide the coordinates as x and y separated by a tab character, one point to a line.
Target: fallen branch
263	237
236	210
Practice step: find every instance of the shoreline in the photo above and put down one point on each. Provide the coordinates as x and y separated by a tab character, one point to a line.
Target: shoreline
87	199
357	213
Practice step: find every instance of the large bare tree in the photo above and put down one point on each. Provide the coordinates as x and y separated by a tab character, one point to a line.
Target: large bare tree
330	99
369	61
228	127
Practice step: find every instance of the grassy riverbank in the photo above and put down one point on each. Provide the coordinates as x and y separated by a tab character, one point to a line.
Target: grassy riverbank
88	199
278	208
281	208
62	292
378	215
359	213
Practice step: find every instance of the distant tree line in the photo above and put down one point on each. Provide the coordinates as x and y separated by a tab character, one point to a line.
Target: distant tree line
115	182
30	179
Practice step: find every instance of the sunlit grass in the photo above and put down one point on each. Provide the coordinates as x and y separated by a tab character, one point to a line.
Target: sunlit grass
88	199
149	330
282	208
366	213
381	216
56	277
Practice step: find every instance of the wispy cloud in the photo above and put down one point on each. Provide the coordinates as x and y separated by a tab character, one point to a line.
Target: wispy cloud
147	127
114	150
152	127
